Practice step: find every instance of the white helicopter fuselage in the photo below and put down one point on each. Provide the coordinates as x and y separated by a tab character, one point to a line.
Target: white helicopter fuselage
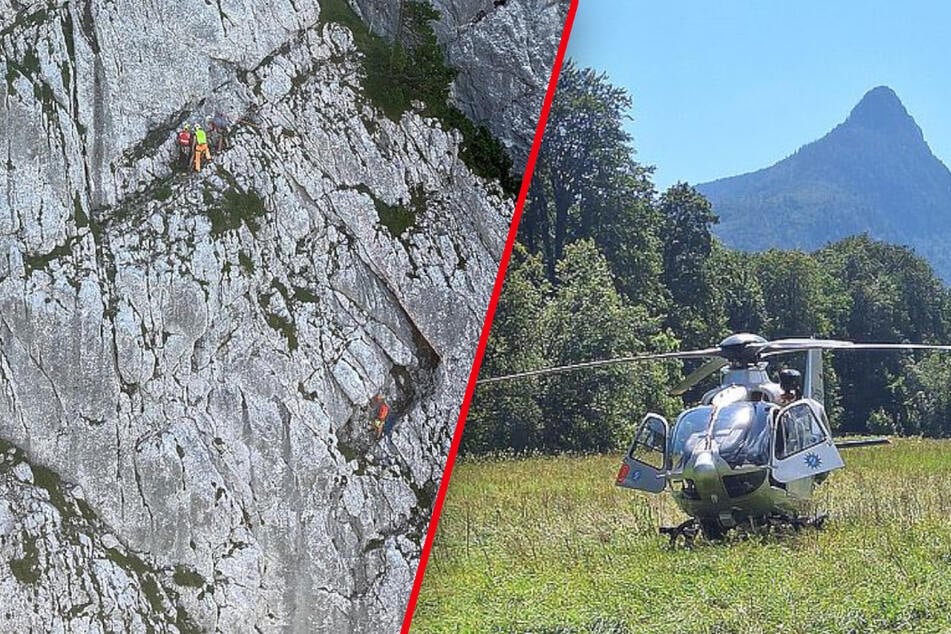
753	448
749	451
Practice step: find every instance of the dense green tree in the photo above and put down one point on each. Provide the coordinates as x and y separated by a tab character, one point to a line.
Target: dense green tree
734	281
507	415
895	293
925	398
893	296
585	143
687	244
588	319
587	185
802	298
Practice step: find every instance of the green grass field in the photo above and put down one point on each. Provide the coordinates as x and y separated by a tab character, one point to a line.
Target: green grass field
551	545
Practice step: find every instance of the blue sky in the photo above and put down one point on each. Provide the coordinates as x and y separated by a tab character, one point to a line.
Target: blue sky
725	87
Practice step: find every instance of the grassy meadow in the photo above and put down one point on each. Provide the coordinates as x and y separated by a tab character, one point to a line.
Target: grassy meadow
551	545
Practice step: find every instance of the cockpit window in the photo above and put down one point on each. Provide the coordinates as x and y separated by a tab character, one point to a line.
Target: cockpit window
740	430
798	430
732	419
742	433
690	428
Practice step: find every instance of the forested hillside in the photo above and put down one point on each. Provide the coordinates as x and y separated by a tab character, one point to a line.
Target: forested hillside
608	266
873	173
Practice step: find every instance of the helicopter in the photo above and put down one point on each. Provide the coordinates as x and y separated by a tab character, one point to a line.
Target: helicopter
753	451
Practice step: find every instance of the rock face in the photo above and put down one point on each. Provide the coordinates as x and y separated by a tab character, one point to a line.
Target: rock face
56	548
187	360
503	50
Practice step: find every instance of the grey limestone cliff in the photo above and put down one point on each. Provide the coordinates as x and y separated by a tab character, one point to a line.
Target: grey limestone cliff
187	360
503	51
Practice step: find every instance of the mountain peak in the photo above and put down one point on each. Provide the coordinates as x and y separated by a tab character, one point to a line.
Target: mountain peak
874	173
881	109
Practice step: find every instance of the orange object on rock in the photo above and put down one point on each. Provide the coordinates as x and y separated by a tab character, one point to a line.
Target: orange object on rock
201	149
382	411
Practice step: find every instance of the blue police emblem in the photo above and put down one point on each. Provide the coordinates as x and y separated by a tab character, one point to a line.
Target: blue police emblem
813	461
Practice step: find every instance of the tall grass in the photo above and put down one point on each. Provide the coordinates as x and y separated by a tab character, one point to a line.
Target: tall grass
551	545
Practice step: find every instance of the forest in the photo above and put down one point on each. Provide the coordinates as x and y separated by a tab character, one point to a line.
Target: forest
606	265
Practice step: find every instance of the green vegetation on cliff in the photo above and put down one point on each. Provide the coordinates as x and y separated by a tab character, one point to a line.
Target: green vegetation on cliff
413	68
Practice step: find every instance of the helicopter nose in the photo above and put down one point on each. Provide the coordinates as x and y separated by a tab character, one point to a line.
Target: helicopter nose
703	472
704	463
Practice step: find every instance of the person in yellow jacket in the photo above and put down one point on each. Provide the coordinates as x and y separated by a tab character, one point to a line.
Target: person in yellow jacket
201	146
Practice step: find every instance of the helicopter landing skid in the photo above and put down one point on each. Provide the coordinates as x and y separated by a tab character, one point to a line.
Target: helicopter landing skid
691	528
771	523
688	530
800	521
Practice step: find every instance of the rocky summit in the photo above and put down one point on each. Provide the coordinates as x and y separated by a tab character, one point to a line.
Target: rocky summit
188	360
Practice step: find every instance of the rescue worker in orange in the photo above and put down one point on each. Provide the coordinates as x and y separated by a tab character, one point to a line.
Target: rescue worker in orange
201	146
382	411
185	144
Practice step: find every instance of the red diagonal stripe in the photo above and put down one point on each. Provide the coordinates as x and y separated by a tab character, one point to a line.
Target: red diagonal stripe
489	314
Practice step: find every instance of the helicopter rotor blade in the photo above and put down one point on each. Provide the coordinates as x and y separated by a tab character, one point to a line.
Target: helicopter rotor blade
897	346
710	367
745	351
686	354
788	346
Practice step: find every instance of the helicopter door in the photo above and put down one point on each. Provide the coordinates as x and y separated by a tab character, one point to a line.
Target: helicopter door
803	446
645	464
